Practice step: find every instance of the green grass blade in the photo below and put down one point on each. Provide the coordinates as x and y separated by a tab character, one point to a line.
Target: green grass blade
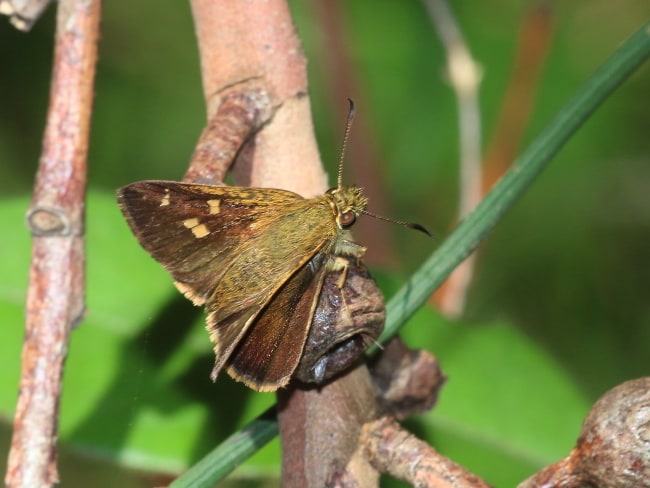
230	453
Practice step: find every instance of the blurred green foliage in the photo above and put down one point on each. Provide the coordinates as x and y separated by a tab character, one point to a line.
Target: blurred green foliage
558	312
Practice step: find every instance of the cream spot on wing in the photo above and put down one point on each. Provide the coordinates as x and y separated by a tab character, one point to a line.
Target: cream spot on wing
200	231
191	223
214	206
166	199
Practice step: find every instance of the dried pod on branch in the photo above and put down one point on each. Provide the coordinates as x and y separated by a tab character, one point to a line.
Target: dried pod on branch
613	449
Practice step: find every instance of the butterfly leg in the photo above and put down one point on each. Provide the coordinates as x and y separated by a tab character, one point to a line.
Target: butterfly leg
338	263
343	265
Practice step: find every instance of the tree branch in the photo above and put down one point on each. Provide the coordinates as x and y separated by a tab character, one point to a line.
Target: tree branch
55	299
393	450
252	47
465	77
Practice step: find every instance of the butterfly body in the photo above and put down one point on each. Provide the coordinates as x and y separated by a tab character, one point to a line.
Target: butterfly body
255	258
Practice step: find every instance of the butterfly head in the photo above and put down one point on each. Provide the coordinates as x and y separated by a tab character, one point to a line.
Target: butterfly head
348	202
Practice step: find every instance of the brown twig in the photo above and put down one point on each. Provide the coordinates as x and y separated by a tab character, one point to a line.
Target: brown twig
226	133
533	45
251	47
393	450
55	300
341	82
464	75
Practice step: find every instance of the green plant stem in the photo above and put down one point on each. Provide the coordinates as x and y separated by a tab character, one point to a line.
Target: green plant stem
219	462
634	51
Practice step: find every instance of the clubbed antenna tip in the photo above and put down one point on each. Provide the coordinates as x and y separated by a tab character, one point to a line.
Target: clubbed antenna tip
410	225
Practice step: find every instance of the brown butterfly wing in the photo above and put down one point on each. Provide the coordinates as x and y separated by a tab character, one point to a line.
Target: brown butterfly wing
161	214
269	352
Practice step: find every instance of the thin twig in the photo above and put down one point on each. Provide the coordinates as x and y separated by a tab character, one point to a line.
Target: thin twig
533	44
395	451
55	300
465	77
226	133
251	47
341	82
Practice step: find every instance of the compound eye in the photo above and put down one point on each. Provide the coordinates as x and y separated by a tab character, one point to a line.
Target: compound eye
347	219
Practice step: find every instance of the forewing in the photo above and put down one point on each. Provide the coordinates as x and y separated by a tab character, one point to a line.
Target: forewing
195	231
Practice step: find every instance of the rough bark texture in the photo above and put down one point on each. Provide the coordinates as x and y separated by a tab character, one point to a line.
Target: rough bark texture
319	430
393	450
252	47
613	449
55	299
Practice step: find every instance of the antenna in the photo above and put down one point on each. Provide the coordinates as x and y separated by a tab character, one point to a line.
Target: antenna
348	126
410	225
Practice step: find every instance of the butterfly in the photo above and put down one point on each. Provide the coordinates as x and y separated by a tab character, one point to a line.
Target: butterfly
255	258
